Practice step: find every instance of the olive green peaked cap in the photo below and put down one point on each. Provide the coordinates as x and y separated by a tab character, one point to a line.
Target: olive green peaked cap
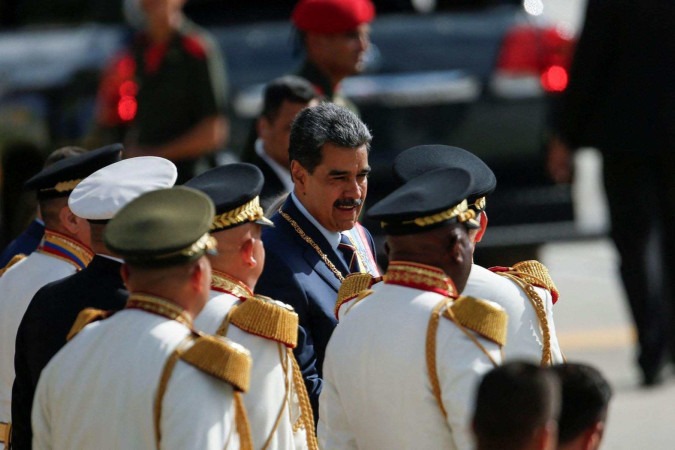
163	228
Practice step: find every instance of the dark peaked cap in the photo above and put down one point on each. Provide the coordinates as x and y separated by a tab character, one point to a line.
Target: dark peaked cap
234	190
162	228
59	179
418	160
427	202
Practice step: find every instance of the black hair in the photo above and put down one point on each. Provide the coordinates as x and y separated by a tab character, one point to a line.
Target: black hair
326	123
585	398
513	401
289	88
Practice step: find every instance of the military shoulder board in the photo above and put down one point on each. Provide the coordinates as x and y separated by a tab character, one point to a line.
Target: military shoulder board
220	358
485	318
532	272
354	288
267	318
15	259
85	317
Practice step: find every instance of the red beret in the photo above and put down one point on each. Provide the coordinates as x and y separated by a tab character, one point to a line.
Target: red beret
332	16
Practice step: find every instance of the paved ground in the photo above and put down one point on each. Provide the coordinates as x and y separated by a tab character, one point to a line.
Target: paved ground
594	327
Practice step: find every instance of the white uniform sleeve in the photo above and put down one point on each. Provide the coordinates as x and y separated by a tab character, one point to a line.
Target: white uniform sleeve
461	365
333	431
40	415
198	412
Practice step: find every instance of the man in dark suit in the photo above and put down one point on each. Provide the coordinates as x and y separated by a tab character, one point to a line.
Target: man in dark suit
317	240
621	100
284	98
54	308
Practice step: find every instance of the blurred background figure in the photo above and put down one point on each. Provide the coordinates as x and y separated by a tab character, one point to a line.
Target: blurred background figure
517	407
335	35
174	81
621	100
30	238
585	400
283	99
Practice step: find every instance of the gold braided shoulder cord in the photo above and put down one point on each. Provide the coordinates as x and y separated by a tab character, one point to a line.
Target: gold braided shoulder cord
540	310
313	244
430	351
241	423
306	415
164	381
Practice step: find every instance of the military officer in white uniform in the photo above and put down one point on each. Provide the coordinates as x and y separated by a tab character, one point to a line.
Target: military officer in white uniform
277	403
525	291
143	378
63	251
407	353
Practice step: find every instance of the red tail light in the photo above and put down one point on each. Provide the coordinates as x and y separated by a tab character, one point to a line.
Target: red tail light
544	53
117	92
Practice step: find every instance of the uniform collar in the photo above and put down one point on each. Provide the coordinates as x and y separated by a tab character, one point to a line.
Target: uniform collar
222	282
420	276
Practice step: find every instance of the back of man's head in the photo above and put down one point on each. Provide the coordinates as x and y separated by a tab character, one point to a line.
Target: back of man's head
289	88
516	408
50	207
325	123
585	399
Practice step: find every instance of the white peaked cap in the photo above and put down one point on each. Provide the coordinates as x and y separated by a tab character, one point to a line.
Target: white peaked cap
106	191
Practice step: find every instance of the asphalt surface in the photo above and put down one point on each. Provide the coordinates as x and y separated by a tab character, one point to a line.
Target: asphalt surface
594	327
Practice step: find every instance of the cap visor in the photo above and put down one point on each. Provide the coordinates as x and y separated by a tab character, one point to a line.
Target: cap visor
265	222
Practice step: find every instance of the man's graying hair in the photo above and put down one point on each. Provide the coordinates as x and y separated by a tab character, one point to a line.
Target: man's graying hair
322	124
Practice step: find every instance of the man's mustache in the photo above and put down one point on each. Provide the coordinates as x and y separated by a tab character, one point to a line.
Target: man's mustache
348	203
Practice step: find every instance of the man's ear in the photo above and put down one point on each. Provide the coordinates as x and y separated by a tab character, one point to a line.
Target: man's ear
246	253
299	175
593	436
262	126
69	220
197	273
483	220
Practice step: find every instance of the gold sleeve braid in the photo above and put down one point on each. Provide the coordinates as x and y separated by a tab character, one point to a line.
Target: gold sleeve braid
15	259
84	318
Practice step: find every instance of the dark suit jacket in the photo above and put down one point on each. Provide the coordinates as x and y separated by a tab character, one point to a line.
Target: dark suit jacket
273	186
45	325
621	94
295	273
25	243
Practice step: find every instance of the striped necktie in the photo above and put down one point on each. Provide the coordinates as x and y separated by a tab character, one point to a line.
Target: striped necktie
349	253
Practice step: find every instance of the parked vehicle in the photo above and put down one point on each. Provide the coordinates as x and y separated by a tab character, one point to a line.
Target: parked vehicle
479	77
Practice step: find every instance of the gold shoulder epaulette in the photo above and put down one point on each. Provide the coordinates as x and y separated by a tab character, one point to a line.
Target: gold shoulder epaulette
485	318
85	317
536	274
15	259
355	286
221	358
268	318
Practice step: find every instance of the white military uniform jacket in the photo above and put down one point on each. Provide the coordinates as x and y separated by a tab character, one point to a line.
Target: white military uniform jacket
62	257
377	392
525	339
272	404
99	391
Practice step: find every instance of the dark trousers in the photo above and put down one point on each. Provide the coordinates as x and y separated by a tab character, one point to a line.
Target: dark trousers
641	195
